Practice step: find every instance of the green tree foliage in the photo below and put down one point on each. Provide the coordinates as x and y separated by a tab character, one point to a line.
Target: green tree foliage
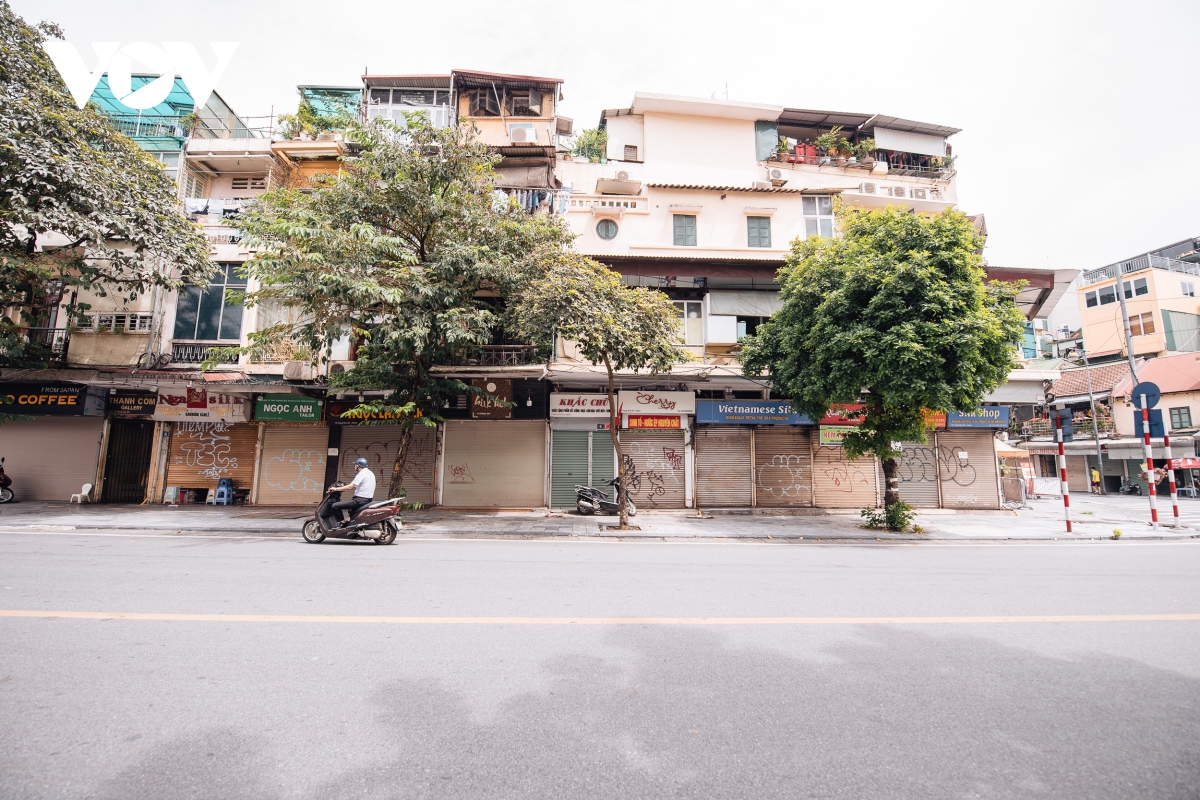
612	324
311	120
80	204
409	252
894	314
592	144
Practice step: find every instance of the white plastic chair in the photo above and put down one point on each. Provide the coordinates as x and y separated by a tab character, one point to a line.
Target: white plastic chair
84	494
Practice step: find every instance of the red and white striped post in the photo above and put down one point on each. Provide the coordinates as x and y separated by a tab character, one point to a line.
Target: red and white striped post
1171	481
1062	470
1149	462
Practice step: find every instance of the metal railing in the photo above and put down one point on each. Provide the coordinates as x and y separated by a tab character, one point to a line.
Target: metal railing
1148	261
1035	428
501	355
222	234
180	126
198	352
54	342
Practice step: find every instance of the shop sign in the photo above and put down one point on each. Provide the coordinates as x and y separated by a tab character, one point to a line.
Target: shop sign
832	435
132	404
484	407
578	405
748	412
50	399
199	405
986	417
654	421
843	415
287	407
935	419
341	412
656	402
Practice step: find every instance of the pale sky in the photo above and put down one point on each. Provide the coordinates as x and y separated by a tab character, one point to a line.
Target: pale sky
1081	121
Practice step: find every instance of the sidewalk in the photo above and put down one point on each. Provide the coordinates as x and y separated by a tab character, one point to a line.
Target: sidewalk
1094	518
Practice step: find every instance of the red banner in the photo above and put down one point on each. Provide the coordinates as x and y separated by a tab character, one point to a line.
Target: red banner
660	421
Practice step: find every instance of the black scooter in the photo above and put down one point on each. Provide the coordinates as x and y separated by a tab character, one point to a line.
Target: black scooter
378	521
590	500
6	494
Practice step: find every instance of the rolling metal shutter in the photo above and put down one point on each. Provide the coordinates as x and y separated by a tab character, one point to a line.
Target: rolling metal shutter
51	458
495	464
917	469
568	465
782	466
724	474
654	468
842	483
293	466
1079	478
204	452
969	482
604	459
127	463
378	444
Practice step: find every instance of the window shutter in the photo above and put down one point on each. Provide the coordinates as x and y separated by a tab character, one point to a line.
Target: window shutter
766	136
631	152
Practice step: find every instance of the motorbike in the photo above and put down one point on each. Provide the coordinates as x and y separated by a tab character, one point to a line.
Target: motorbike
378	521
1129	487
6	494
590	500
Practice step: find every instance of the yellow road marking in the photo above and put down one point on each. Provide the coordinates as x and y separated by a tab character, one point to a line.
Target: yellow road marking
980	620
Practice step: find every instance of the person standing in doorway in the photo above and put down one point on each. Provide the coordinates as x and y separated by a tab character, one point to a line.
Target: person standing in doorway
1095	480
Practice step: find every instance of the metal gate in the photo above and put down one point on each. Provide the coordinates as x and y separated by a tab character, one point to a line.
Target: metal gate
568	465
378	444
917	470
654	468
293	466
724	474
840	482
782	466
968	469
494	464
127	464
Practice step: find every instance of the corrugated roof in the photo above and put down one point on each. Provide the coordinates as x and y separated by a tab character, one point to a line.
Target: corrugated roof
808	117
406	81
1171	374
1074	382
911	126
469	77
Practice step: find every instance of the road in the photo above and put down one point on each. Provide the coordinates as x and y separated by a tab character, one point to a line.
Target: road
575	668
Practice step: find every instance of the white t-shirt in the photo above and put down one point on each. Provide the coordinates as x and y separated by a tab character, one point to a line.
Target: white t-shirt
364	483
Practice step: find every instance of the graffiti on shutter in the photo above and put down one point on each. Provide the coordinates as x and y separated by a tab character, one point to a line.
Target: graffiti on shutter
654	468
917	472
782	466
968	470
844	483
204	452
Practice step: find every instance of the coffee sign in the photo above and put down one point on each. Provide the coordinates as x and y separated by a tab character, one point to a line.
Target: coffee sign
485	407
43	399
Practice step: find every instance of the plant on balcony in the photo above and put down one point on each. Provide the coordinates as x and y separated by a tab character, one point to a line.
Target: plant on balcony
895	315
396	252
591	144
66	171
865	150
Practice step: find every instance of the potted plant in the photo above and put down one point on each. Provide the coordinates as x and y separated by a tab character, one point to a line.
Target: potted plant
830	140
866	151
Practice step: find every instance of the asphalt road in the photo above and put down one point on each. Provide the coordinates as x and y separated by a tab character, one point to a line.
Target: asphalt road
593	673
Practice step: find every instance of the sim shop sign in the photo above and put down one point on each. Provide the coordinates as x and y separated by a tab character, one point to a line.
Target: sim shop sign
986	417
287	408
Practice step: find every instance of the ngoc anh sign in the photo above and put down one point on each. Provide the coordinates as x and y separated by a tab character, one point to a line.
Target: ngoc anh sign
287	408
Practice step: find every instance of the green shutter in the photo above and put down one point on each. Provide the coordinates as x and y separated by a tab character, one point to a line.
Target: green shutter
603	463
568	466
766	139
684	230
758	231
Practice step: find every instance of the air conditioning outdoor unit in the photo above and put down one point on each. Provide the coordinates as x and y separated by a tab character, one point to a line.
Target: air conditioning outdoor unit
776	176
763	185
919	194
338	367
297	371
622	175
897	191
523	136
868	188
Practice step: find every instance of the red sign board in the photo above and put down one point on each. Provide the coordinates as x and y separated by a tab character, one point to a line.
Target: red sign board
840	415
659	421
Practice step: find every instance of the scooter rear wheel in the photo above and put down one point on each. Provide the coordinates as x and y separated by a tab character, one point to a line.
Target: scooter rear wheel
312	532
6	495
387	533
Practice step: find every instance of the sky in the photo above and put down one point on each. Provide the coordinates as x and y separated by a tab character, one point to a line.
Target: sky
1080	121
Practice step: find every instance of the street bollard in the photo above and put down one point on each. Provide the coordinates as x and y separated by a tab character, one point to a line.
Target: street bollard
1062	470
1171	481
1149	464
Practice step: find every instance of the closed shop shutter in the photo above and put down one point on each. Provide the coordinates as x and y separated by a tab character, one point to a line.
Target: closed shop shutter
127	464
724	476
568	465
970	481
604	460
782	466
293	466
204	452
654	468
1078	474
917	469
499	463
843	483
378	444
51	458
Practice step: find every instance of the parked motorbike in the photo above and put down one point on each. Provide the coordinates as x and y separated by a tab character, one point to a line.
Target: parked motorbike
590	500
378	521
6	494
1129	487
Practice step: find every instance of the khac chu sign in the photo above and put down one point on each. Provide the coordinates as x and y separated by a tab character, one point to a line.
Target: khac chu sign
986	417
287	408
748	412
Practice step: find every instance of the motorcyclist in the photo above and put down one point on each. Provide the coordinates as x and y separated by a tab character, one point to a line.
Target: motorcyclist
364	490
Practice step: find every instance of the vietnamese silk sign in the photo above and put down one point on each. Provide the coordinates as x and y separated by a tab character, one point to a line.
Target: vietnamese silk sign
656	402
287	407
748	412
986	417
578	405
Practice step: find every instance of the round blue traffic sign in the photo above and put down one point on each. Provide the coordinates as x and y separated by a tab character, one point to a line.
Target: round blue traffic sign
1145	395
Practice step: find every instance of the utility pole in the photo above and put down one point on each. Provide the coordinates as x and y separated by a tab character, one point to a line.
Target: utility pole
1125	319
1087	371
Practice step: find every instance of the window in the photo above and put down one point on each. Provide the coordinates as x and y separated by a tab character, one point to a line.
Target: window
483	103
1189	289
1141	324
194	185
1108	295
204	312
170	162
606	229
112	323
685	230
818	217
747	326
631	152
248	183
758	231
524	103
690	321
1138	286
1181	418
1092	299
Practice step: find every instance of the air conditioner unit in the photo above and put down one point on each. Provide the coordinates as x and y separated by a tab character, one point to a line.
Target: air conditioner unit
298	371
868	188
523	136
338	367
777	177
622	175
897	191
919	194
763	185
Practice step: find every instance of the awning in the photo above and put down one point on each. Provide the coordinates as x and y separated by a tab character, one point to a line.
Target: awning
908	142
744	303
1005	450
1185	463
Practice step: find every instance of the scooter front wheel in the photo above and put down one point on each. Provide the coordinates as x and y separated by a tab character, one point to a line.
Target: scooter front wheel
6	495
312	532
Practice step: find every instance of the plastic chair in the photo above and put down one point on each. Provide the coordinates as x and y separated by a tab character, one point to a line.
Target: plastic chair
224	495
82	494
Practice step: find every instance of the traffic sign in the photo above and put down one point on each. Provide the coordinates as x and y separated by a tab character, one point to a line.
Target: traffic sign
1157	431
1068	422
1146	390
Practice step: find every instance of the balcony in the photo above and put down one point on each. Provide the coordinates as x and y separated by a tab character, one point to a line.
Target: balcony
197	352
879	162
47	344
501	355
1044	428
1138	264
222	234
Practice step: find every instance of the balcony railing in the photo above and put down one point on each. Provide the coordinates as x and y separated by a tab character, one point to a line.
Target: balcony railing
502	355
49	344
1148	261
1035	428
206	126
199	352
222	234
149	125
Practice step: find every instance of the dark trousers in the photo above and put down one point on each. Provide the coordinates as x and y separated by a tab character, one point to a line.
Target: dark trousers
351	506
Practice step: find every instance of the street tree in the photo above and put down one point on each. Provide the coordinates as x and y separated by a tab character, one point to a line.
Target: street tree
584	302
894	314
409	252
81	206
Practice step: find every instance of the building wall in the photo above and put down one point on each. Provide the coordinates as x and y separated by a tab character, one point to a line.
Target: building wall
1123	412
1103	329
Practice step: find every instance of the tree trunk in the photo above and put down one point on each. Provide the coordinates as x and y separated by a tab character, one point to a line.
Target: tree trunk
613	425
891	491
406	434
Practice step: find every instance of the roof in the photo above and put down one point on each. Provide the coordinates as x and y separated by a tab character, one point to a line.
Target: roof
807	117
910	126
1045	286
1074	381
703	187
407	81
1171	374
644	102
467	78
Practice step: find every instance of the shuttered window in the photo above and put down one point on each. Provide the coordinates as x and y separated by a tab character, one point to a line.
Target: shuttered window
685	230
758	231
724	474
631	152
654	467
